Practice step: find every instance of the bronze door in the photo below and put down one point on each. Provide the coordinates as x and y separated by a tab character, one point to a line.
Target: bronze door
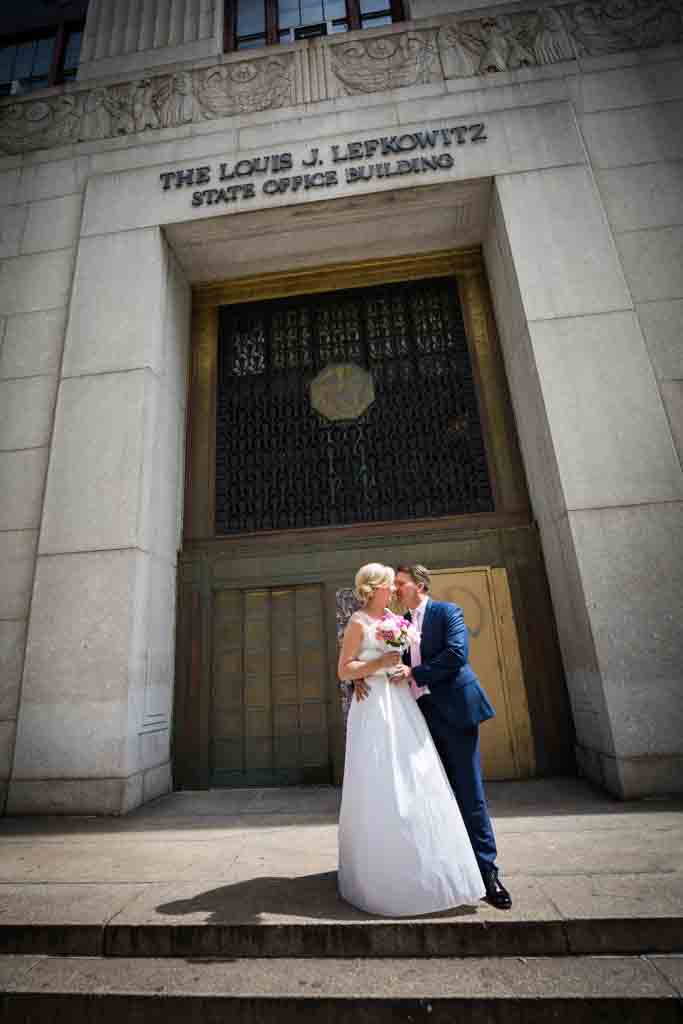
268	718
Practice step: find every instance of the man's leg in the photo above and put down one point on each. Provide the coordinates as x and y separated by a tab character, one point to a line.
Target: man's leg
459	753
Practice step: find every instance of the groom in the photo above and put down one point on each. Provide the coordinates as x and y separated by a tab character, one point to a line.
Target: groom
453	709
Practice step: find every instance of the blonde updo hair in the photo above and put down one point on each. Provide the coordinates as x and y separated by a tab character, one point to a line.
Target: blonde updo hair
371	576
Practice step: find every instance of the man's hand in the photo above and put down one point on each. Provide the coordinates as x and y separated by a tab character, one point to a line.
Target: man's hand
401	674
361	689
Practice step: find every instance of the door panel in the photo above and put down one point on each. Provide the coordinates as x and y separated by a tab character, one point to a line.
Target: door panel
227	738
268	716
506	745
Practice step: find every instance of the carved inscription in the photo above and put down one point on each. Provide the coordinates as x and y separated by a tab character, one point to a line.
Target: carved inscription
387	156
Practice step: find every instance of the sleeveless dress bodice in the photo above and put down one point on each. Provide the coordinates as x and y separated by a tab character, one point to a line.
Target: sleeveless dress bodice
371	647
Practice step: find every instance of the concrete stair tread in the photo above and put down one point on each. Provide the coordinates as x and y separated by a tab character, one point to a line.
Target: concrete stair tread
402	978
303	916
566	990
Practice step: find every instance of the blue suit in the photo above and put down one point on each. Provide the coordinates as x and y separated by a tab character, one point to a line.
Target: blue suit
453	710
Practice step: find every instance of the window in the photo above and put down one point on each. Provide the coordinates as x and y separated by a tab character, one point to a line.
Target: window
250	23
35	62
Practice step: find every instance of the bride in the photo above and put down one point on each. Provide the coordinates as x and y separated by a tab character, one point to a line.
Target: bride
403	846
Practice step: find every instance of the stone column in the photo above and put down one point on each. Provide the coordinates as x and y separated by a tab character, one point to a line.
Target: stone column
605	480
40	211
94	718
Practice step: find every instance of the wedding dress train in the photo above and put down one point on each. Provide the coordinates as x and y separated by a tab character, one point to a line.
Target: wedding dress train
403	846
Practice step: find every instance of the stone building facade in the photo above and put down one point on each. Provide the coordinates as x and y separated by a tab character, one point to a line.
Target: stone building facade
531	151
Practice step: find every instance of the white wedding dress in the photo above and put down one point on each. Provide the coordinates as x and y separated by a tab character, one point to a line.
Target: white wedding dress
403	846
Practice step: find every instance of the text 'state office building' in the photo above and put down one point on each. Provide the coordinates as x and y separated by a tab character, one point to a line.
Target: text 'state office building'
287	286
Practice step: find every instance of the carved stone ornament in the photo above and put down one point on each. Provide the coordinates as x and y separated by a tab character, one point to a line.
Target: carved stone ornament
615	25
504	43
148	104
386	62
342	391
361	64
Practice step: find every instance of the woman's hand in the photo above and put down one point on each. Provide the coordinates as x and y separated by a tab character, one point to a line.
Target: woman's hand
390	660
402	674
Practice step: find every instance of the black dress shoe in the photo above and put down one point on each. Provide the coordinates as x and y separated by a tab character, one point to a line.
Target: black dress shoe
496	893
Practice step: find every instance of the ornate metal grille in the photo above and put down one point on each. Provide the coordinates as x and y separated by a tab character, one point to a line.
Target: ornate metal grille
417	450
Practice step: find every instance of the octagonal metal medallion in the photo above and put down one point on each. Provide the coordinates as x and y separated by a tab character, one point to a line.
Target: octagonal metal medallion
342	391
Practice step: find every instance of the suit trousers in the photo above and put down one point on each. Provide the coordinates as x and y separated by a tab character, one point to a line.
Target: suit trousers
459	753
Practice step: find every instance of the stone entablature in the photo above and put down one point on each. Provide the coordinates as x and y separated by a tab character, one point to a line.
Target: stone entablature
416	53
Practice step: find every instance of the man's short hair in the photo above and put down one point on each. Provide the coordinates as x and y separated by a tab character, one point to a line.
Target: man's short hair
419	575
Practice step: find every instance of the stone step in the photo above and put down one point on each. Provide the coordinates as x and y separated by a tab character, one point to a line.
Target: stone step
303	916
446	937
519	990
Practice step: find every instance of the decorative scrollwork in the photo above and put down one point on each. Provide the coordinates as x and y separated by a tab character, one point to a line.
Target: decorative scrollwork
415	451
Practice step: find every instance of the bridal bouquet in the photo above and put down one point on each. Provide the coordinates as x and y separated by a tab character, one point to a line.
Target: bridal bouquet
397	632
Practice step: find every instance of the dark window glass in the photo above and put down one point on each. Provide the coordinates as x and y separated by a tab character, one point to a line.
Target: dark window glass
23	64
37	63
376	21
251	19
288	14
251	24
260	22
42	57
311	13
335	9
375	13
27	63
293	13
72	53
7	54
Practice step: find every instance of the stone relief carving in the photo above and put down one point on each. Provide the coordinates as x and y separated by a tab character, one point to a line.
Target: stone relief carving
507	42
456	49
614	25
247	86
387	62
148	104
504	43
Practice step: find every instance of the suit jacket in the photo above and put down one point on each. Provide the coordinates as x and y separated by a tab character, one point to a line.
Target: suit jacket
455	691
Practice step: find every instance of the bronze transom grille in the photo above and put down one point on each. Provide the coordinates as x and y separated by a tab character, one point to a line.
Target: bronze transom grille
415	451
